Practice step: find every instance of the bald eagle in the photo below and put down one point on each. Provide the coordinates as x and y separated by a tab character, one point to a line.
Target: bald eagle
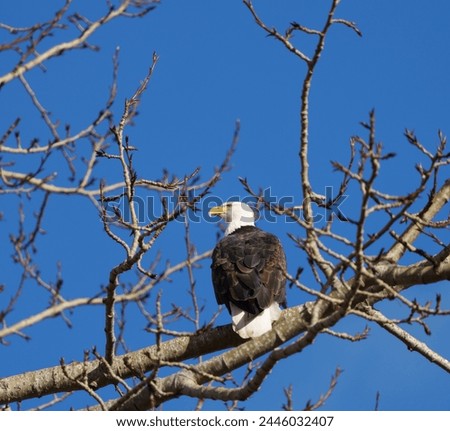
248	271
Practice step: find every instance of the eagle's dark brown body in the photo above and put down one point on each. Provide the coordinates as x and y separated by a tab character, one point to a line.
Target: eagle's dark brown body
248	270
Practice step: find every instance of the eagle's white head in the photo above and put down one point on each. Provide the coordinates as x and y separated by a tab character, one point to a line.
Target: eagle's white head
235	214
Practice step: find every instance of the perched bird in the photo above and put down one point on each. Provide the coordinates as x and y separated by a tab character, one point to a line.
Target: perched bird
248	271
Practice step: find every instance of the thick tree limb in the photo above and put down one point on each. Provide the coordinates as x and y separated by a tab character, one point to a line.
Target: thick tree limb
419	273
52	380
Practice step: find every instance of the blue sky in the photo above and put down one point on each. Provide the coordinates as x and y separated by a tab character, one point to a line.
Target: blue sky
217	66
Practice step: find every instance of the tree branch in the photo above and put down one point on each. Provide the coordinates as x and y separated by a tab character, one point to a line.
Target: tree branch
411	342
78	42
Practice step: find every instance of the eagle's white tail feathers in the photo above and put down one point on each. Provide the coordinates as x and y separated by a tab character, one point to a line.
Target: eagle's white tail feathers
248	325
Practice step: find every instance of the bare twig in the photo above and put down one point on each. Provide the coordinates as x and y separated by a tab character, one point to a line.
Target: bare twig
323	398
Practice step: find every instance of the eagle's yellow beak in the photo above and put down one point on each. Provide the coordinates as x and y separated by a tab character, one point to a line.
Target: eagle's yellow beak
217	211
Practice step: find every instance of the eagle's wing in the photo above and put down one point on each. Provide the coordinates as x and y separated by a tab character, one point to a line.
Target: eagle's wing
248	270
